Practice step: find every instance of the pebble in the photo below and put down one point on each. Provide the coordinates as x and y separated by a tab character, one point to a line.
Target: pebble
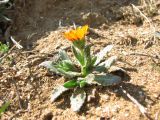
105	97
12	95
156	95
98	108
126	114
106	109
116	90
47	115
115	109
90	98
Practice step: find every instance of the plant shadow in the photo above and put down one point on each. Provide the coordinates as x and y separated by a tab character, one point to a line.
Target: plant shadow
136	91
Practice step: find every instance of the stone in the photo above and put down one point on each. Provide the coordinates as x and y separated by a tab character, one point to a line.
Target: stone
47	115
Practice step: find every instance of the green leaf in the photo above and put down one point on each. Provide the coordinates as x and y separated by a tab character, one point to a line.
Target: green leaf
82	83
78	55
87	51
49	65
71	84
87	67
68	65
4	107
77	99
80	44
87	57
108	63
102	54
102	67
93	60
4	48
68	74
89	79
108	80
64	56
57	92
99	68
63	68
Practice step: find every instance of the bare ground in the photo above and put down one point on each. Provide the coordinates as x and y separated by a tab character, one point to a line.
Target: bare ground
40	24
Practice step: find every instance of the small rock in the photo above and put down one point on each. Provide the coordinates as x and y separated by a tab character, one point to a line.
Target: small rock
54	118
98	108
115	109
126	114
106	109
12	95
83	118
90	98
149	101
105	97
47	115
29	108
156	95
116	90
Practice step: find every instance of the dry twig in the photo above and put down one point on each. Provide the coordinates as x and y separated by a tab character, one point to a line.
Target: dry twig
4	1
152	28
142	54
151	25
17	93
141	108
3	57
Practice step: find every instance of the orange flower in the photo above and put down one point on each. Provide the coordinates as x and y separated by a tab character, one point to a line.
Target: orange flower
77	34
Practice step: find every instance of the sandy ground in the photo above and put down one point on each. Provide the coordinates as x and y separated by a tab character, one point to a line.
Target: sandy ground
40	24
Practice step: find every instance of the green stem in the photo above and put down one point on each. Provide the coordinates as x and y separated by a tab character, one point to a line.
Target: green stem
83	67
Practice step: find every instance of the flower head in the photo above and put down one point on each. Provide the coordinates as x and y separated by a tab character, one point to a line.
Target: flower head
77	34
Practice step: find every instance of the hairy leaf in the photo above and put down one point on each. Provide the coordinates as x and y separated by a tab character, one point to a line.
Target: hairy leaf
64	56
57	92
66	65
93	60
87	58
89	79
62	68
108	63
49	65
100	68
103	53
79	44
77	99
68	74
78	56
107	80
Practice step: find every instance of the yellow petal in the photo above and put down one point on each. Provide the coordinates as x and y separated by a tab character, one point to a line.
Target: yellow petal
85	29
77	34
80	33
